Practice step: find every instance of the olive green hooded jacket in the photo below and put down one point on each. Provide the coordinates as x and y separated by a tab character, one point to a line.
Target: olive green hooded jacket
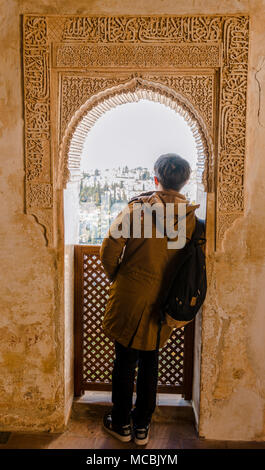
140	268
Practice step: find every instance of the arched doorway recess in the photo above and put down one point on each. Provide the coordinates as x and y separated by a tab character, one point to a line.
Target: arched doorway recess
70	158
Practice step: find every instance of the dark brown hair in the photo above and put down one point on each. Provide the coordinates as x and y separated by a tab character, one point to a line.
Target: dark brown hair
172	171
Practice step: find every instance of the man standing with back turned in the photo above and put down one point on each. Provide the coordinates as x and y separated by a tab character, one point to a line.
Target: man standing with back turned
140	268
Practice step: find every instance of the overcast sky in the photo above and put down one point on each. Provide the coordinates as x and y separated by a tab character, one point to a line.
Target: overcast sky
135	134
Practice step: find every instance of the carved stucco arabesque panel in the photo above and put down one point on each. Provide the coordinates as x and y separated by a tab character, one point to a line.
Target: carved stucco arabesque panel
184	53
198	89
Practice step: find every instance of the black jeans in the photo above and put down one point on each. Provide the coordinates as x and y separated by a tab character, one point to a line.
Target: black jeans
123	374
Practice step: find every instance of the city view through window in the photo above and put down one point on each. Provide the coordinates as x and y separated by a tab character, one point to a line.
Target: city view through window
118	158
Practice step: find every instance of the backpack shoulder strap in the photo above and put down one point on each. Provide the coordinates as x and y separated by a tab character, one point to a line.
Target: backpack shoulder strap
199	230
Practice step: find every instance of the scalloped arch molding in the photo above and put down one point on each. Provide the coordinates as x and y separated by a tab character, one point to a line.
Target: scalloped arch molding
132	91
78	66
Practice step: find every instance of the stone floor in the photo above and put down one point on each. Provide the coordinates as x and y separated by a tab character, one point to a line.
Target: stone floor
172	428
88	434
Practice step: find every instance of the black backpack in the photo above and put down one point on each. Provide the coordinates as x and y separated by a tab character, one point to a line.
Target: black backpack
187	289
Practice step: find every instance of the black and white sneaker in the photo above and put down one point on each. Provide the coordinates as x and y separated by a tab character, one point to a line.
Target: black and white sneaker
141	434
123	433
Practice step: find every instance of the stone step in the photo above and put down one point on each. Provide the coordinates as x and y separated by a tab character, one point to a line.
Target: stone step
168	408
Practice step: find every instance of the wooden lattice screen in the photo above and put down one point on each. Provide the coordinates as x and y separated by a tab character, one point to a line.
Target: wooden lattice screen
94	352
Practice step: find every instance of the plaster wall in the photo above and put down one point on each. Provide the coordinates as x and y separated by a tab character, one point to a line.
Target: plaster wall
33	392
71	227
